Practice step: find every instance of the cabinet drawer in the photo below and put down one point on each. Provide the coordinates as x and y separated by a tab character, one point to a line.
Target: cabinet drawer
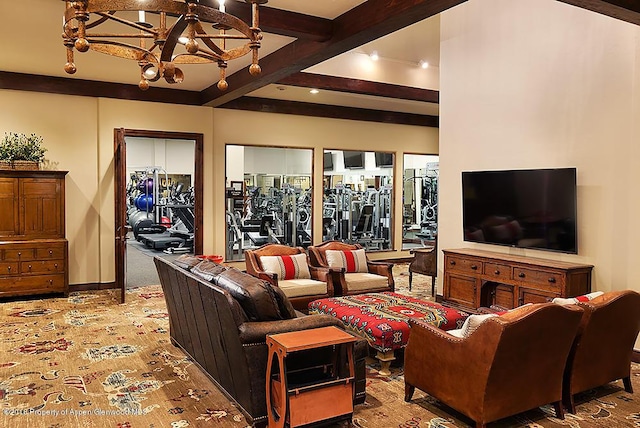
497	271
546	280
460	264
528	295
19	254
42	266
55	251
32	284
9	268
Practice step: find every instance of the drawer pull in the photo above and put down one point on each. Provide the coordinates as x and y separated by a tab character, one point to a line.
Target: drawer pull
452	262
51	281
56	266
50	252
497	272
9	269
552	280
474	267
29	267
521	275
19	254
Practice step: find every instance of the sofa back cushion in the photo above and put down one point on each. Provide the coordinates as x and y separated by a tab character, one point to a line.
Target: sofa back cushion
187	261
350	260
258	299
287	267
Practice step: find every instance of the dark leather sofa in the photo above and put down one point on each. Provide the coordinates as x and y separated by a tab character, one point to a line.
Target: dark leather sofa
220	317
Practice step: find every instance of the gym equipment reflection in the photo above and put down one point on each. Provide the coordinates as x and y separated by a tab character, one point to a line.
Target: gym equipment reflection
268	198
420	200
160	211
357	205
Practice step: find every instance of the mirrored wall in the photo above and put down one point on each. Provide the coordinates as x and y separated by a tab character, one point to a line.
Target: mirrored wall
268	197
358	198
419	200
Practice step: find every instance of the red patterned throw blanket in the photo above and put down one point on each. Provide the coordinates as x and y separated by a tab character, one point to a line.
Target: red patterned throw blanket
381	318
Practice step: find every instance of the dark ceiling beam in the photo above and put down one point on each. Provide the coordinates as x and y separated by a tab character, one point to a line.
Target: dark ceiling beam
625	10
281	22
368	21
267	105
363	87
91	88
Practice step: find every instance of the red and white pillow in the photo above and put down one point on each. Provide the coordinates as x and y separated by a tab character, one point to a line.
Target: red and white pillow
287	267
350	260
574	300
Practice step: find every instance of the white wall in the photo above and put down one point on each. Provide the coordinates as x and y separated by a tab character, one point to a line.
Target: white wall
539	83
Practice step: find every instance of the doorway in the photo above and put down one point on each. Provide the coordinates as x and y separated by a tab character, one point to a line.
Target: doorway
158	201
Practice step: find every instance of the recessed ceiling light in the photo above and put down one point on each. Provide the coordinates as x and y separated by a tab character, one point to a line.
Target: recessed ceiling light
314	91
424	64
374	56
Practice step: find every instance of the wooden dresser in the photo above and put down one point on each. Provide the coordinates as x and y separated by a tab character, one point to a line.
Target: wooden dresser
33	248
475	278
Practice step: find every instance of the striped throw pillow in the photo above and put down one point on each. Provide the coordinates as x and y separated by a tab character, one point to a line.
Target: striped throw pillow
351	261
287	267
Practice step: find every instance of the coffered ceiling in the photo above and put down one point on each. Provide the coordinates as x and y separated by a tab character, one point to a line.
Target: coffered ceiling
325	45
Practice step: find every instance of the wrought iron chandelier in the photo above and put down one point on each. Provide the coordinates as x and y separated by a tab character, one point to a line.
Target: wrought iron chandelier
177	36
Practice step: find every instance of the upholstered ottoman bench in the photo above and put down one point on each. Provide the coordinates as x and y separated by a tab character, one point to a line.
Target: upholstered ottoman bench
382	319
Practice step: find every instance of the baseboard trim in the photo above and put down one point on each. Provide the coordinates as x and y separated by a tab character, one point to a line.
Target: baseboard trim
635	357
92	286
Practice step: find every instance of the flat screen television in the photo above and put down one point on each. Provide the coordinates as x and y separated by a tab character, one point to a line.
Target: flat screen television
353	160
384	160
528	208
328	161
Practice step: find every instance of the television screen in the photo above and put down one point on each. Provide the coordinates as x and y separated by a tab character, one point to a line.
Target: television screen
328	161
384	160
353	160
533	208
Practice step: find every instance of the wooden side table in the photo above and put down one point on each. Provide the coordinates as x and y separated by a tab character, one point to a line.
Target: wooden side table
313	393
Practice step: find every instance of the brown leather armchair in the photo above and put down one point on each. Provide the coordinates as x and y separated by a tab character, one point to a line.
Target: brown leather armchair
299	291
378	278
509	364
604	343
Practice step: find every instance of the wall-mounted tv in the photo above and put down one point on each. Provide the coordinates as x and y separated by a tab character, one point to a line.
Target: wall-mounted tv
529	208
328	161
384	160
353	160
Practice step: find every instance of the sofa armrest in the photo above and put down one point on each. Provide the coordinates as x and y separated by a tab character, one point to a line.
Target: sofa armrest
256	332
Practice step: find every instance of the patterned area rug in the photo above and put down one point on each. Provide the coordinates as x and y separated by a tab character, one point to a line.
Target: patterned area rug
87	361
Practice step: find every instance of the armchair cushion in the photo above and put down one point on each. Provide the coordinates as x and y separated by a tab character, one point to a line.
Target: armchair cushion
302	287
287	267
365	281
574	300
350	260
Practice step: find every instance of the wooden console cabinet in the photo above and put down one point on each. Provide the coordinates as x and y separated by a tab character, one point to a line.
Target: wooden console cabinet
33	248
475	278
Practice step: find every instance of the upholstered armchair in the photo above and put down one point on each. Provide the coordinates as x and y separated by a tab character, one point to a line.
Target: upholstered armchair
425	262
502	366
288	269
604	343
353	272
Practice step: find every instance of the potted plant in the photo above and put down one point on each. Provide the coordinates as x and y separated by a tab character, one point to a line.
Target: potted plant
21	151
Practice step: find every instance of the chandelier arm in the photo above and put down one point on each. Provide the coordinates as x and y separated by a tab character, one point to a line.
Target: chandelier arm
210	15
122	50
215	48
125	22
172	39
100	20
